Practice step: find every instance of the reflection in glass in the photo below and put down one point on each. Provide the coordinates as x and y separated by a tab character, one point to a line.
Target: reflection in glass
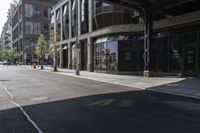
112	53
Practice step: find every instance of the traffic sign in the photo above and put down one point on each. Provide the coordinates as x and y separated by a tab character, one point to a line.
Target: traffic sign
78	45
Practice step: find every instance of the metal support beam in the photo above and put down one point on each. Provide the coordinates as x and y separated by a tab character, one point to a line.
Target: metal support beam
148	30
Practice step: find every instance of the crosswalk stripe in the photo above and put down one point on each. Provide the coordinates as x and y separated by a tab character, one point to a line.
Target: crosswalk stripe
13	68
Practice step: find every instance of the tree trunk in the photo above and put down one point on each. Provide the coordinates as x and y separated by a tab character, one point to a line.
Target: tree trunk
55	60
42	63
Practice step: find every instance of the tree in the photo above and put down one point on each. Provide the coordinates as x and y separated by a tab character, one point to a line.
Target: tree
4	54
13	7
41	49
1	54
52	48
8	55
13	55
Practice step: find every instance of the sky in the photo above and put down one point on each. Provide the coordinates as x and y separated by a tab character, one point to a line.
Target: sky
4	6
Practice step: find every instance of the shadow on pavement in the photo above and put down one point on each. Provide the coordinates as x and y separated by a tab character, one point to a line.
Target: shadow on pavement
125	112
13	121
188	87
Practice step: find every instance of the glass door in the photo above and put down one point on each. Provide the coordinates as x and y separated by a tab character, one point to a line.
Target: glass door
190	61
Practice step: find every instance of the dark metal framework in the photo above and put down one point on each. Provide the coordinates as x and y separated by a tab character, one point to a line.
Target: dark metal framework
149	9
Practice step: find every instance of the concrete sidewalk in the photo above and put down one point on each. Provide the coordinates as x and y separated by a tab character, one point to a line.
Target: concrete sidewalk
189	87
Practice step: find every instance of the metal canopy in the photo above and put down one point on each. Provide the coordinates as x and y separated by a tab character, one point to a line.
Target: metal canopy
171	7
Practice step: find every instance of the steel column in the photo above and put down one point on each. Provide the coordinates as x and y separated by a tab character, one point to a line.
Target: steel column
148	30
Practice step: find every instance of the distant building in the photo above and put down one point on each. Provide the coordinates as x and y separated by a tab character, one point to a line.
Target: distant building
31	18
6	35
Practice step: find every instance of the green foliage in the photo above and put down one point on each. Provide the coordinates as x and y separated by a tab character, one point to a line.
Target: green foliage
52	42
13	55
41	48
13	6
8	55
52	49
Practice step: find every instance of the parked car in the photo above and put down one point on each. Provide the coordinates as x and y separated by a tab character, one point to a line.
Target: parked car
6	63
1	63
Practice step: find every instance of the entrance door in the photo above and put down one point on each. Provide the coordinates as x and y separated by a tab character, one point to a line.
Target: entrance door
65	58
190	61
84	55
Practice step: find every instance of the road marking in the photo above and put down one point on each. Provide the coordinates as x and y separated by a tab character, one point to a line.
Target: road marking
8	92
105	102
42	98
22	110
13	68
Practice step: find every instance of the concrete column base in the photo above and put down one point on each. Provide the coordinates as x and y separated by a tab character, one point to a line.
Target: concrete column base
90	68
148	74
69	66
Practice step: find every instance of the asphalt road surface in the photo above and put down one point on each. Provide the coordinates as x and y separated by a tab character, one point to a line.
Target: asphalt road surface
33	101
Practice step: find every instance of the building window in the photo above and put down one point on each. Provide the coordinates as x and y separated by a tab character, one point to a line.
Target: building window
84	16
58	25
35	11
45	13
32	28
65	21
74	18
29	9
37	28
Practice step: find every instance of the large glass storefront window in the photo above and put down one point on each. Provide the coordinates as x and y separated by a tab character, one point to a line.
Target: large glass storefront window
65	22
100	57
58	25
84	16
74	17
171	52
160	52
112	56
183	53
117	53
131	53
176	60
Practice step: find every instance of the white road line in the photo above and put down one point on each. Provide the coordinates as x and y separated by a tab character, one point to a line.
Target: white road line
13	68
22	110
8	92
